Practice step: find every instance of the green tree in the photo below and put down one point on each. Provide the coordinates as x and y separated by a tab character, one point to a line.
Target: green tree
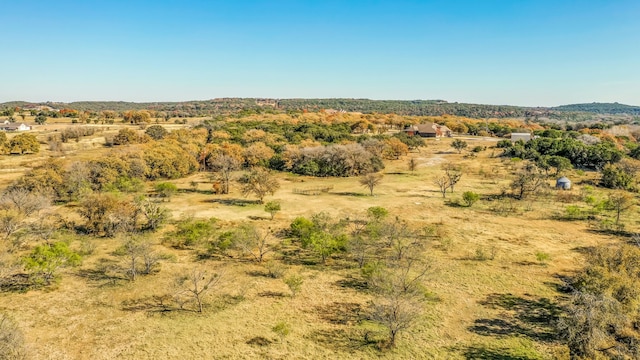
45	260
128	136
459	145
260	182
40	119
619	202
561	164
528	180
620	176
156	132
24	143
325	244
272	207
302	228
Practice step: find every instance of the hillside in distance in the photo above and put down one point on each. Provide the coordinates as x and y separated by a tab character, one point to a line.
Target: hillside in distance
601	108
222	106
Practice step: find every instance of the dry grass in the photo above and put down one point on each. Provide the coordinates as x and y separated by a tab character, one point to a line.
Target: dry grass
479	306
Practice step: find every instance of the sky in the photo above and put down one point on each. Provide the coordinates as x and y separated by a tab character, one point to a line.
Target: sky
518	52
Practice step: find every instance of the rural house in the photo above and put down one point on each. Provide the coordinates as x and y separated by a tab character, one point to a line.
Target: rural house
428	130
7	126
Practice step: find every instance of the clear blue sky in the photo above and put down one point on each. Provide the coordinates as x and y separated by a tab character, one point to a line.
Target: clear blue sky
519	52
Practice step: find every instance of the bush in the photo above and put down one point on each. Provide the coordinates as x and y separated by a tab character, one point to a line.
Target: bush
301	228
275	269
542	257
165	189
503	144
191	232
156	132
294	282
45	260
469	198
281	329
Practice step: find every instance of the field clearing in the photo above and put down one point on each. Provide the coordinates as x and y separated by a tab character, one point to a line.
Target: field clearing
478	307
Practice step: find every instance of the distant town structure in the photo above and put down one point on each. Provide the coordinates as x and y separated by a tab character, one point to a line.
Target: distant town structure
563	183
267	102
36	107
428	130
520	136
7	126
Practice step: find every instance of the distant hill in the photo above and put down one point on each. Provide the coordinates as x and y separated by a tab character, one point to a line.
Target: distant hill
233	105
601	108
225	106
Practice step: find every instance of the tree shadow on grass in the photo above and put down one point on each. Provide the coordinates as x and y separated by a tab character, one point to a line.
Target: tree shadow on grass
343	339
522	316
613	232
353	283
482	352
106	273
341	313
349	193
151	304
233	202
18	283
273	294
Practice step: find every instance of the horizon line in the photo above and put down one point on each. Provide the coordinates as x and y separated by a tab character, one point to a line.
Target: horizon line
303	98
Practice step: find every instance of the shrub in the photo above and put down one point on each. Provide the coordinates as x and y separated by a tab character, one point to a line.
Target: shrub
281	329
190	232
165	189
469	198
542	256
294	282
45	260
301	228
156	132
275	269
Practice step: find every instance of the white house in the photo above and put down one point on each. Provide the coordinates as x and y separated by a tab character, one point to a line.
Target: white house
7	126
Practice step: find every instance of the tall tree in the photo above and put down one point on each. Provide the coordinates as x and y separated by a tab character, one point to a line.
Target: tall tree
459	145
260	182
224	165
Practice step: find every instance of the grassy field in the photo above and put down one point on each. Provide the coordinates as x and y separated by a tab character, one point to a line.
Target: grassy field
490	296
